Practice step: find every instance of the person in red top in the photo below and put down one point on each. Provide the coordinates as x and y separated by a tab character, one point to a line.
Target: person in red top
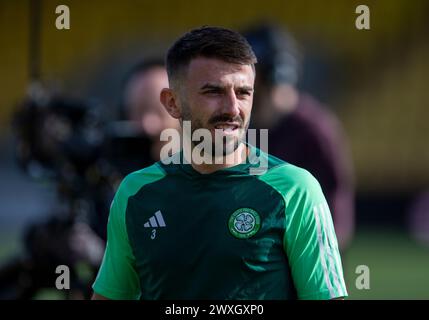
301	130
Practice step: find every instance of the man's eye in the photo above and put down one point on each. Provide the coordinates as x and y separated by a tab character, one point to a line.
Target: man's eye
243	93
212	92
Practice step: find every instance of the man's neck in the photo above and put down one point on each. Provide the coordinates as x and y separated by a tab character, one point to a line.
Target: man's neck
237	157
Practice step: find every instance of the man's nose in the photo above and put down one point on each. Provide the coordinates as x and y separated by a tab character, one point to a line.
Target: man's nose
230	104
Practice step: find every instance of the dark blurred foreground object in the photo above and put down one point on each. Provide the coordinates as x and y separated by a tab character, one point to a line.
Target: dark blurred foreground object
67	142
301	130
47	246
54	132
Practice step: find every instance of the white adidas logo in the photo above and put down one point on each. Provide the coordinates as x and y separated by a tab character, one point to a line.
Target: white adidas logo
155	221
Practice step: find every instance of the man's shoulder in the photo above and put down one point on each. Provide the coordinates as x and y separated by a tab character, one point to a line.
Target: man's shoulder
135	180
283	169
286	177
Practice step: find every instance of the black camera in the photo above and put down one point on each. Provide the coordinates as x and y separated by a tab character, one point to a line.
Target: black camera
55	133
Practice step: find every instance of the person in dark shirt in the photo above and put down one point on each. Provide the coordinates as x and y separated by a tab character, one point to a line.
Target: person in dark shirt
301	130
135	141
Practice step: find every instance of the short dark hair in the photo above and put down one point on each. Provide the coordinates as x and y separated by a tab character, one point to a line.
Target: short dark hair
209	42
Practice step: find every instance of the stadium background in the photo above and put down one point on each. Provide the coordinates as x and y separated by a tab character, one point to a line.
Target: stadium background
374	80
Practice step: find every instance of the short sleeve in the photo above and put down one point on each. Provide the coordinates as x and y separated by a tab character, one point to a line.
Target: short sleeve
117	278
311	244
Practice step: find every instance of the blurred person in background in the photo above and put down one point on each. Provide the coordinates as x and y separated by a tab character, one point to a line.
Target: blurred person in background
301	130
143	116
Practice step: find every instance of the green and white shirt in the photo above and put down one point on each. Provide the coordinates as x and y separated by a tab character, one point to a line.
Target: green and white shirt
174	233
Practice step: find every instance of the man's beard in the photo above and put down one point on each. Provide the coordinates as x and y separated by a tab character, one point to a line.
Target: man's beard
226	145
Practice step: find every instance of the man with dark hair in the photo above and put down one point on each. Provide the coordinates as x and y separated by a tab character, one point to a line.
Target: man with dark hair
214	230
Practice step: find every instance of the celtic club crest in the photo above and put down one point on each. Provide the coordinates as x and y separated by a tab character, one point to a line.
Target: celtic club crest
244	223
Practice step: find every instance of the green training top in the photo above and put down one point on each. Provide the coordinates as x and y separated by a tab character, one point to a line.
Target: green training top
174	233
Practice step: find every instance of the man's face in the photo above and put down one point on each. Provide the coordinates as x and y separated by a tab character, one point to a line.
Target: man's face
218	95
143	105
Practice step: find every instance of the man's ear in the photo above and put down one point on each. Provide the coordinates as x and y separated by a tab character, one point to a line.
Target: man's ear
170	101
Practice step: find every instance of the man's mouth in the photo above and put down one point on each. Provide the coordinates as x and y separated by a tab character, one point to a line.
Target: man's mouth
227	128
